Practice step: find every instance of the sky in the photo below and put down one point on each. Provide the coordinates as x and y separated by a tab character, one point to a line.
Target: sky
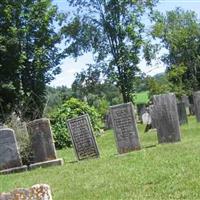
71	66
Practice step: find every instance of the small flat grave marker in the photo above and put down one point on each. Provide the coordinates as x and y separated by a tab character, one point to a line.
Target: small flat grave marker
82	137
126	133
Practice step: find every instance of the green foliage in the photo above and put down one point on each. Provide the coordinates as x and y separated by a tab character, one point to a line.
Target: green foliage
29	56
157	172
142	98
68	110
179	33
112	30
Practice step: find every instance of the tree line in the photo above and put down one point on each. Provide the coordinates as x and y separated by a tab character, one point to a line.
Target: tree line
114	31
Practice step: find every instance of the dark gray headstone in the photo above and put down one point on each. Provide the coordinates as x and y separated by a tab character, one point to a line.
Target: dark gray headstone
141	108
182	113
124	124
185	99
167	122
83	139
9	153
153	116
196	99
108	121
42	143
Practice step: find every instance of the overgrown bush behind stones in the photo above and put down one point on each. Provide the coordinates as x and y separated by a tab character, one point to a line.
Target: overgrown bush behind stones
70	109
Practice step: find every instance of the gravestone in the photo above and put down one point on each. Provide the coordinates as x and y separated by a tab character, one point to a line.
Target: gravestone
182	113
167	122
124	124
36	192
82	136
140	111
42	144
196	99
10	160
108	121
153	117
185	99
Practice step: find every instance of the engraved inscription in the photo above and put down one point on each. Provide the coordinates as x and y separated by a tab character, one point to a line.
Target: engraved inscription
82	137
125	128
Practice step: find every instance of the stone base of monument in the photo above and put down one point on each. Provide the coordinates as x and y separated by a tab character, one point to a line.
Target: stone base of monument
14	170
46	164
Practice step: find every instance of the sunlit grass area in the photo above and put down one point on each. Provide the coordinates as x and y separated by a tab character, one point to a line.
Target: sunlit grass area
167	171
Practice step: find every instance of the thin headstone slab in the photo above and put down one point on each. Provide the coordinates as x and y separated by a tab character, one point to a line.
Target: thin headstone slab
196	99
42	144
182	113
108	121
125	129
83	139
167	122
185	99
141	108
153	117
10	160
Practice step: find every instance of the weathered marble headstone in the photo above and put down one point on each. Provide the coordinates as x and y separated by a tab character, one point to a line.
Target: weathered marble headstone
185	99
167	122
83	139
108	121
36	192
182	113
196	99
10	160
124	124
42	144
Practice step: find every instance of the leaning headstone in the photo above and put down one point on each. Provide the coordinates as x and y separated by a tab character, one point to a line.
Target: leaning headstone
10	160
196	99
42	144
124	124
83	139
167	122
36	192
182	113
108	121
186	101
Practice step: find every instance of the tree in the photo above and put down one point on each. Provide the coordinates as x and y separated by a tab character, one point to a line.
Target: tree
29	56
179	33
112	31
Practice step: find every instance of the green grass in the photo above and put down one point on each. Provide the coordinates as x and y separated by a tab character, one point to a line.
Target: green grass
168	171
142	97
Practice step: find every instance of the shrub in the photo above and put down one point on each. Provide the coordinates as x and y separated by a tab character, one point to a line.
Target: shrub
70	109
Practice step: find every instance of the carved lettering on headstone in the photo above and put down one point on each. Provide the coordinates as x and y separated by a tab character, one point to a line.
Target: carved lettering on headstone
167	122
126	133
82	137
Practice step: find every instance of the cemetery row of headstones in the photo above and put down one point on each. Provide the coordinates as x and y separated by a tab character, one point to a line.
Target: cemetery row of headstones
164	112
42	145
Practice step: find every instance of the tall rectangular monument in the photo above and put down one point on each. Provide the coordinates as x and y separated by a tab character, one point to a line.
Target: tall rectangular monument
124	124
167	121
83	139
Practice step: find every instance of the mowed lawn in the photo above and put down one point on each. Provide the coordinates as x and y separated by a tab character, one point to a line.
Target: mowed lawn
168	171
